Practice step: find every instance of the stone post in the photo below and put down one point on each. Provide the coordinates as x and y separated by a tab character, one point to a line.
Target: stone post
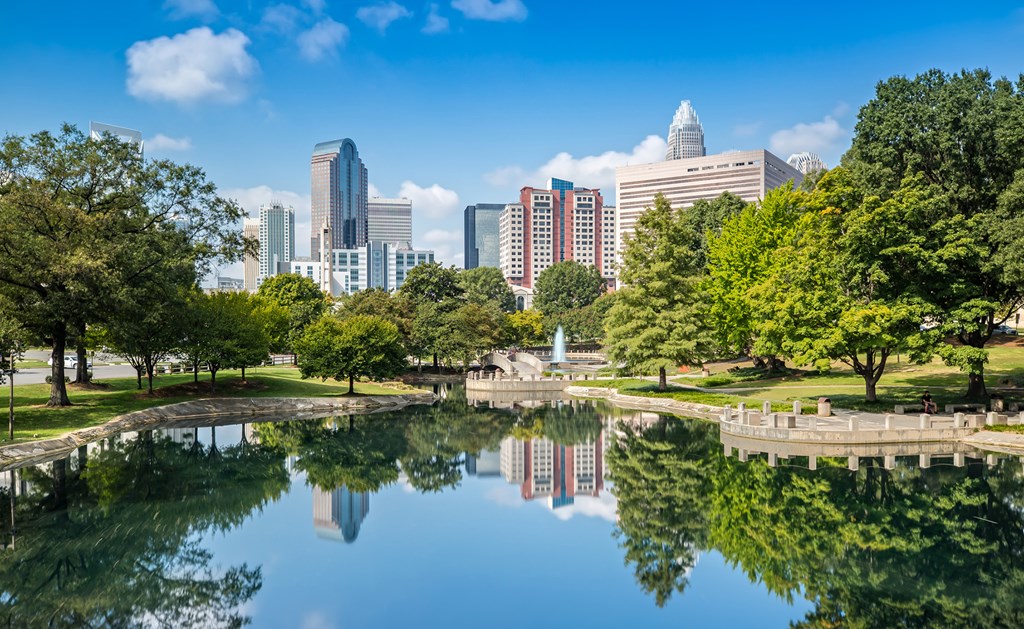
773	459
742	456
854	424
991	460
812	422
925	461
766	407
890	462
797	408
742	406
773	420
853	463
727	450
925	421
959	421
958	459
743	417
812	462
890	422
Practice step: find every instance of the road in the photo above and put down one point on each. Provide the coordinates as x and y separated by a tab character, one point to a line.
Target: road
37	375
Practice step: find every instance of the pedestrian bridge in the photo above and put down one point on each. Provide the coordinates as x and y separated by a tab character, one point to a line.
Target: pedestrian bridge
522	363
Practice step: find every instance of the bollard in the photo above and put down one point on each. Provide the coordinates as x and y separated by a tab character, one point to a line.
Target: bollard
925	461
890	462
773	459
727	450
743	417
812	462
812	422
958	459
925	421
742	456
773	420
854	423
959	421
766	407
742	406
853	463
797	407
991	460
890	422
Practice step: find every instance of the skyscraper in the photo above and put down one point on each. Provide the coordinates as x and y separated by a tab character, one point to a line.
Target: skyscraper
131	136
685	134
338	514
251	230
340	190
389	220
806	163
277	240
481	235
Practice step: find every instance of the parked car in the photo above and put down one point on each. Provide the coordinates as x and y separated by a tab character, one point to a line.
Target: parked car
1004	329
70	362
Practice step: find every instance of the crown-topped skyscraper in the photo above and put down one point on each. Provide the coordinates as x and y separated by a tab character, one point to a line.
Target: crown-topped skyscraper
685	134
340	190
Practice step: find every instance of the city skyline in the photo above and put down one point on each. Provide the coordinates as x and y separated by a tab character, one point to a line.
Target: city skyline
287	76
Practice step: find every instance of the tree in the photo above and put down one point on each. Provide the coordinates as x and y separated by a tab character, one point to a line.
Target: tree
224	331
739	259
659	320
959	140
468	332
300	296
707	216
83	219
360	346
395	307
434	292
566	286
486	285
148	331
525	328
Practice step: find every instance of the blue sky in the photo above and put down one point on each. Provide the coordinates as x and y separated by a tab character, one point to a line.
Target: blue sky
462	101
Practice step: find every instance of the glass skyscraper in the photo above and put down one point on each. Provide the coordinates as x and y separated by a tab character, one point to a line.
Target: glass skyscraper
685	134
340	188
482	246
390	220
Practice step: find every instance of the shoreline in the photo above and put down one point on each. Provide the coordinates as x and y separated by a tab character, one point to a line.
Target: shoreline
28	452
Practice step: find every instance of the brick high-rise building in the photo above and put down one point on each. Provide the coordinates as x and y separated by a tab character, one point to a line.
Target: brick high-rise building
552	225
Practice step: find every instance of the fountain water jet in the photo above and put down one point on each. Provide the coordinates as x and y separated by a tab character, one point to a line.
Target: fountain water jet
558	349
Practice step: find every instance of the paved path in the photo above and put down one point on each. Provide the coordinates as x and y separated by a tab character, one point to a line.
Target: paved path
37	375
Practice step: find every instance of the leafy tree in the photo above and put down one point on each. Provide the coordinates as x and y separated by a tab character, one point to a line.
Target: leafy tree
525	328
468	332
739	259
224	331
958	141
434	292
360	346
565	286
486	285
707	216
395	307
658	321
82	219
150	330
300	296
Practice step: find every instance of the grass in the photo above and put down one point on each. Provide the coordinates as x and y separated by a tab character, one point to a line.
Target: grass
646	388
107	399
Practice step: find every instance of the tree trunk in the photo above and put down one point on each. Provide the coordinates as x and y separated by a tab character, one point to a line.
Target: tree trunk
243	373
662	379
82	369
435	362
351	385
149	376
60	484
195	372
976	385
58	390
869	389
213	379
138	376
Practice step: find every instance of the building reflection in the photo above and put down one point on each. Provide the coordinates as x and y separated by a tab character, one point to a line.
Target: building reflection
338	514
554	471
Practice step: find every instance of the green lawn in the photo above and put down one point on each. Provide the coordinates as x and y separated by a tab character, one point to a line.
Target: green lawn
94	406
646	388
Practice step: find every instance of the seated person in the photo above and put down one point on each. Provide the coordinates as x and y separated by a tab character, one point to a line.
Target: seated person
929	406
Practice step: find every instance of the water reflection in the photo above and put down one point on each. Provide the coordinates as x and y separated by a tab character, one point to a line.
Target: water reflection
119	532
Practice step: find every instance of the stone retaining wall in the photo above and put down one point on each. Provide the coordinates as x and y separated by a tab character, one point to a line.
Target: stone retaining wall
20	454
654	404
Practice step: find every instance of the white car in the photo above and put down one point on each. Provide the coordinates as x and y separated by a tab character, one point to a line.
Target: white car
70	362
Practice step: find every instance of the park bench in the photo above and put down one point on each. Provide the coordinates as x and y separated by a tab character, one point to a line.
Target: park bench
903	409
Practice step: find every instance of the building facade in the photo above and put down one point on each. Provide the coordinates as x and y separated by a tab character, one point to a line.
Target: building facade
277	240
131	136
685	134
251	261
340	187
389	220
806	163
555	472
376	265
747	174
552	225
482	245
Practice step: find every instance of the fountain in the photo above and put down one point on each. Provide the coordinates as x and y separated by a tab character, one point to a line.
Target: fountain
558	349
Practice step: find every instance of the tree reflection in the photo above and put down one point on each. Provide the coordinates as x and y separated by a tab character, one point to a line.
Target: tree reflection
117	543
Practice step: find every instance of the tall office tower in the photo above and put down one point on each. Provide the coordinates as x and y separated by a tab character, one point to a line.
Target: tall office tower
806	163
277	240
552	225
685	134
251	231
747	174
131	136
340	189
482	247
389	220
338	514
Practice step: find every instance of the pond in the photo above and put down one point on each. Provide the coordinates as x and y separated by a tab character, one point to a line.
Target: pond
534	514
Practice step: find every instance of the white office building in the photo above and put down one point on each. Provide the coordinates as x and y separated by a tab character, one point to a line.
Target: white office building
377	265
390	220
277	240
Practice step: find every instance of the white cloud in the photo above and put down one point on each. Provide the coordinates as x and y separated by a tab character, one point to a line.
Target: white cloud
316	6
317	620
591	171
448	246
505	496
252	198
373	190
322	39
604	506
820	137
434	201
194	66
281	18
161	142
181	9
436	23
492	10
380	16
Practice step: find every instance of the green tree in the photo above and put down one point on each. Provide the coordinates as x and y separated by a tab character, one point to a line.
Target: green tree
707	216
468	332
224	331
659	320
83	219
525	328
300	296
486	285
149	331
395	307
958	138
360	346
434	293
565	286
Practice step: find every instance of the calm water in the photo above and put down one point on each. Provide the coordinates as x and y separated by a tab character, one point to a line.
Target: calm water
555	515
